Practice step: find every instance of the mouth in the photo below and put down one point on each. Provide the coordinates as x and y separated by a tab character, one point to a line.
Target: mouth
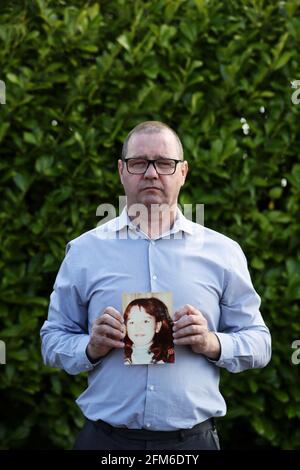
151	189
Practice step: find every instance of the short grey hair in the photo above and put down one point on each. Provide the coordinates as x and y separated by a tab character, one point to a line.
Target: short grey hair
151	127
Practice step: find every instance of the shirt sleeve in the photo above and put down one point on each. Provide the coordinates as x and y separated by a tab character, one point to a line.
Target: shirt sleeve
64	334
244	338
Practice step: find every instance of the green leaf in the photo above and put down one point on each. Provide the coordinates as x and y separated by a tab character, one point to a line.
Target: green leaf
283	60
281	396
123	40
22	181
258	425
3	129
275	193
44	163
30	138
257	263
166	34
13	78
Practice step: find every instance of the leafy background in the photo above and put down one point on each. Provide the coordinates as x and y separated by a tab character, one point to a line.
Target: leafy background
79	75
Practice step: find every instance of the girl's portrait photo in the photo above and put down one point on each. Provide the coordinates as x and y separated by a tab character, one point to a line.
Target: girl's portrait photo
149	338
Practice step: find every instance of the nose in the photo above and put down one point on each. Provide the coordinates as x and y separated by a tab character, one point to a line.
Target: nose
151	172
139	326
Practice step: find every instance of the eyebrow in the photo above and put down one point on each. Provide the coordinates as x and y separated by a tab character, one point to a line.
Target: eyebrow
145	156
147	315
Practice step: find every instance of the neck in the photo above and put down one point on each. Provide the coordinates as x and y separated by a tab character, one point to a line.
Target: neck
155	220
142	347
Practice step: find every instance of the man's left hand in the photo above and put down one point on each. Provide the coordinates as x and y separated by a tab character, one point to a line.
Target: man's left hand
190	328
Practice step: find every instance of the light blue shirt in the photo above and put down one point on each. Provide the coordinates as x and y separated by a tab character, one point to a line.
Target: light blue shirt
202	268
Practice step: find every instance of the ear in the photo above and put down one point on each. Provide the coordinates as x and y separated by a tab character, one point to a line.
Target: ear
120	169
158	326
184	171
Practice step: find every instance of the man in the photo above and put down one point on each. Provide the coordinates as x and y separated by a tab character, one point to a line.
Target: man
217	322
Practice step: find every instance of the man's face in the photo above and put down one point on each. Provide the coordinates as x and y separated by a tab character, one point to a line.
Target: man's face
152	188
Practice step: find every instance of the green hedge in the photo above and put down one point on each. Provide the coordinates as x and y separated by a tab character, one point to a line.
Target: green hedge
79	75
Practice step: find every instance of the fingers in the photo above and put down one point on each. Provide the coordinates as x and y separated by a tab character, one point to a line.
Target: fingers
192	340
190	327
106	338
190	330
110	316
186	310
108	329
107	342
107	320
188	315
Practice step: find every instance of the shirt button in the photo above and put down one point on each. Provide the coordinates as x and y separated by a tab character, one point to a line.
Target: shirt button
152	242
151	387
154	277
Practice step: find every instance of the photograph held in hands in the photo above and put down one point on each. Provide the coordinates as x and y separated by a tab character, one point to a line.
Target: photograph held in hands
149	338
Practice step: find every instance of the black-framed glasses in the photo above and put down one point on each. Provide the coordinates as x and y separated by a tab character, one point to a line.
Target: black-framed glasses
163	166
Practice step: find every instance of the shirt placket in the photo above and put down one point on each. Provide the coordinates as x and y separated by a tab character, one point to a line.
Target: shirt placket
150	415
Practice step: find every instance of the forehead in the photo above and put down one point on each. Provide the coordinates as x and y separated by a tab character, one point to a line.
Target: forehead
138	312
162	143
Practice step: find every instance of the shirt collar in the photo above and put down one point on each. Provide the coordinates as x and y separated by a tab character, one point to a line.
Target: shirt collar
181	223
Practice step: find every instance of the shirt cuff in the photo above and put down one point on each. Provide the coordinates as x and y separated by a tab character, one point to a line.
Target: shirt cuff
81	356
226	343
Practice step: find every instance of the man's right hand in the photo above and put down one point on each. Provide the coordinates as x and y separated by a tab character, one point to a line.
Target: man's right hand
108	332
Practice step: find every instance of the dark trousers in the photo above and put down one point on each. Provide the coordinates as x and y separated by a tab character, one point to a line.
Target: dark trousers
97	435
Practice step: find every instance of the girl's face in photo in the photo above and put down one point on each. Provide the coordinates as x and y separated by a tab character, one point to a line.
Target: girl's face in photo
141	327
